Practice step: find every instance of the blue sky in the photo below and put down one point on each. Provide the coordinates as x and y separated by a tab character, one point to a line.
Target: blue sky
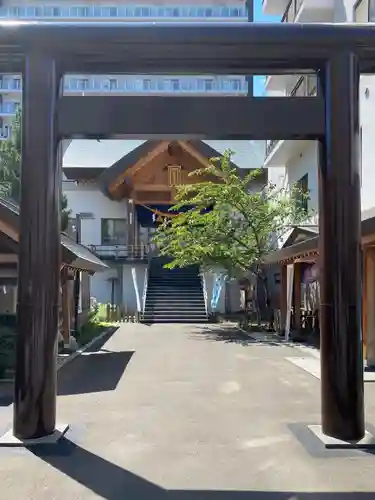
259	17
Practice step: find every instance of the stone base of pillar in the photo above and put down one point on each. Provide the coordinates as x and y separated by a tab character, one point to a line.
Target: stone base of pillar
9	440
367	442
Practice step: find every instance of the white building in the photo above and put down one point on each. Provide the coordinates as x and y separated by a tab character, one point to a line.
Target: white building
296	161
107	11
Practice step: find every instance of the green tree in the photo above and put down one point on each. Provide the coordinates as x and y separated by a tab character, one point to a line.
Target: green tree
10	170
227	222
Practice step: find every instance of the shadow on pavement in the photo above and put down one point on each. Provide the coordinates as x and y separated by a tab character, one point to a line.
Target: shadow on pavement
111	482
7	388
232	335
95	371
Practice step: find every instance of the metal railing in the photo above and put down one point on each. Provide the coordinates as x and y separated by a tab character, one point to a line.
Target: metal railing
119	252
291	11
306	86
144	294
204	286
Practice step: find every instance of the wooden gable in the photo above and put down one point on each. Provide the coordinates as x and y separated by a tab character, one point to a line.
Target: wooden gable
154	177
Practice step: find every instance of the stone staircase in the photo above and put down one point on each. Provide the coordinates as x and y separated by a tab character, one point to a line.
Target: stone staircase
174	295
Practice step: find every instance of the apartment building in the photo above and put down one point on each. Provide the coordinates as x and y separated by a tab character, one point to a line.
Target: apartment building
114	11
292	162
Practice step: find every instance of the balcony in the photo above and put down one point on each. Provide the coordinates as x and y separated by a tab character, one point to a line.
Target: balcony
277	151
122	252
136	12
309	11
8	108
11	85
159	85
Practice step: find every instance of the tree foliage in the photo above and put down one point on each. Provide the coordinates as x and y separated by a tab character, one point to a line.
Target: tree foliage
10	170
228	222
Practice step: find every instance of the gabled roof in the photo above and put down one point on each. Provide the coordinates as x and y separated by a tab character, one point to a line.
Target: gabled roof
124	163
310	245
299	234
111	174
73	254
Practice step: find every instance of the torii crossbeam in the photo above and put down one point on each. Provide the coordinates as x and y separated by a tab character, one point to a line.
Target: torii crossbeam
44	52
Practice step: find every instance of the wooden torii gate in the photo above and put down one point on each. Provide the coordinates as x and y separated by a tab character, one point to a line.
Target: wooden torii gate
44	52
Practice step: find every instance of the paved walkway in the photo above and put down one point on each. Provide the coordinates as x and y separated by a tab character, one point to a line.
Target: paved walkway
178	412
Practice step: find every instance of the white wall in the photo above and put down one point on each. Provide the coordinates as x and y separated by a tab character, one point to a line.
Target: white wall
101	287
210	277
88	198
129	294
305	163
367	109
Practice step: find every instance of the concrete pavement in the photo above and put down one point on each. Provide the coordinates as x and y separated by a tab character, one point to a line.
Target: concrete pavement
184	412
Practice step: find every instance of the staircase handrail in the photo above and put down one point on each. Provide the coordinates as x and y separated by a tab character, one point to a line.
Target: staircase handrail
145	283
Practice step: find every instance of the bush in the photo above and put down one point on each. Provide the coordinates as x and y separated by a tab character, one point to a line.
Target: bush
90	329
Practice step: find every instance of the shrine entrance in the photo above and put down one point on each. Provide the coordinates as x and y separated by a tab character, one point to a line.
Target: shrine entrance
335	53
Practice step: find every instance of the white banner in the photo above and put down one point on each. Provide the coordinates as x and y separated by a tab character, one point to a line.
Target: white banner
135	283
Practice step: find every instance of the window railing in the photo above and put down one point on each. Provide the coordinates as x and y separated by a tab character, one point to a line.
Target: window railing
119	252
291	11
305	87
270	146
123	11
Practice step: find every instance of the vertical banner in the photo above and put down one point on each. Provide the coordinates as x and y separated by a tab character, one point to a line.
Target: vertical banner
218	285
137	295
289	297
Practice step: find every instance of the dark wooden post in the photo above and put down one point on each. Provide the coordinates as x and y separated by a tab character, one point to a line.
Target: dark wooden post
369	300
65	305
340	253
297	296
39	254
283	296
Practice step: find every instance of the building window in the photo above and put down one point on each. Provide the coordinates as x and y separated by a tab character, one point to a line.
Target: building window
302	194
80	83
113	83
371	13
362	10
175	84
114	231
147	84
17	84
208	84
